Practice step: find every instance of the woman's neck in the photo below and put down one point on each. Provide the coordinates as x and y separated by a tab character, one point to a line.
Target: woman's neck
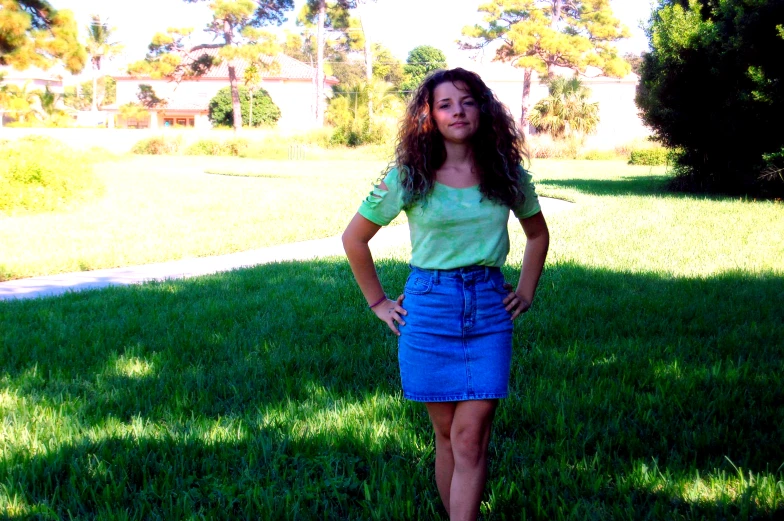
458	155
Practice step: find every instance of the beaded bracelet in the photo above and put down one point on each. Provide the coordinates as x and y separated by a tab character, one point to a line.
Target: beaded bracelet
382	299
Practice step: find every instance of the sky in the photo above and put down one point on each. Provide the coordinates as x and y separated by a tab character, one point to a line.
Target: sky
399	25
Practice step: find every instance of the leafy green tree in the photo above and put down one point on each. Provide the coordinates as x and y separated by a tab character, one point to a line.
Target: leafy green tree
349	112
539	35
100	47
238	24
566	111
325	15
712	89
264	111
386	67
81	97
421	61
35	34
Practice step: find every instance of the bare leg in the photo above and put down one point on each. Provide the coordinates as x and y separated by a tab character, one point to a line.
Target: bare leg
470	437
441	415
462	432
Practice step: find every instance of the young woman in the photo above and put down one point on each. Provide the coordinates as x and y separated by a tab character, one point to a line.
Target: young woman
458	173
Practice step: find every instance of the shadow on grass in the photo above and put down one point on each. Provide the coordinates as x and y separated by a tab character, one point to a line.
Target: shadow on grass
272	392
631	185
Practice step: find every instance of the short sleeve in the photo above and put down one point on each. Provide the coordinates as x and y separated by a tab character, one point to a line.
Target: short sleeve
530	205
382	206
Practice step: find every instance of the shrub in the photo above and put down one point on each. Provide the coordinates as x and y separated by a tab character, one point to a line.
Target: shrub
158	145
362	133
599	155
265	112
649	156
212	147
713	88
40	174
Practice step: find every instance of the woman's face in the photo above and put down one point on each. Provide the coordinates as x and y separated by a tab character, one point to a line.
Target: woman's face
455	111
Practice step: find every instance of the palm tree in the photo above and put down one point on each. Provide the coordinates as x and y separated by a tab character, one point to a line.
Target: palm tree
566	111
100	46
19	101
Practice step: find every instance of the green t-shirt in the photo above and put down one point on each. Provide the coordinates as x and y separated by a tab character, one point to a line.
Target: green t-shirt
455	227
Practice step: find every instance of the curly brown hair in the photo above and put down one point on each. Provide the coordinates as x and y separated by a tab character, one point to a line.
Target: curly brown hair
498	147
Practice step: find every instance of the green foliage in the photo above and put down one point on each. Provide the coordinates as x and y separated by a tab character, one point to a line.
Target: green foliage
348	113
81	97
158	145
599	155
265	112
713	87
40	175
386	67
543	34
566	111
212	147
238	24
34	34
649	156
421	61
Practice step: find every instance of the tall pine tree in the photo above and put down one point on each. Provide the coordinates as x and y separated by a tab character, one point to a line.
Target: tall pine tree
539	35
237	24
34	34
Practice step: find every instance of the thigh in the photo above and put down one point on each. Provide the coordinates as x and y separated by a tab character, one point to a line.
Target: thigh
473	418
441	416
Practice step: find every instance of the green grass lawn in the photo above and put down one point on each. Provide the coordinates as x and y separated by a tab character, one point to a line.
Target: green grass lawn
646	379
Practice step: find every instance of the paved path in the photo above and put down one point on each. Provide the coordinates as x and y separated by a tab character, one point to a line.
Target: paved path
52	285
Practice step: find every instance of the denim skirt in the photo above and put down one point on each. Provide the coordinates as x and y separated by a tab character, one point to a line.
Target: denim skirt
457	341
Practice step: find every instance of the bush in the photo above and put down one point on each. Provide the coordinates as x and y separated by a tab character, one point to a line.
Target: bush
713	87
265	112
158	145
211	147
649	156
599	155
41	174
362	133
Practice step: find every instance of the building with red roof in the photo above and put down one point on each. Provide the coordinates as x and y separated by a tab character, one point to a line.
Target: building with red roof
289	82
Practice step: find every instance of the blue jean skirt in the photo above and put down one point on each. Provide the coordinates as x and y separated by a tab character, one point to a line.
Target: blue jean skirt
457	341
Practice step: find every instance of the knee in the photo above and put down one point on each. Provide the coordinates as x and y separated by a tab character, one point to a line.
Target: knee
469	446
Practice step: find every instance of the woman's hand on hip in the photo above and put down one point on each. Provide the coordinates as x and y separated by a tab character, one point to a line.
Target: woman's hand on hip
391	311
514	303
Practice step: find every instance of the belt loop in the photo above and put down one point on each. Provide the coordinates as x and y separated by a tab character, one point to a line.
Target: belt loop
487	273
436	276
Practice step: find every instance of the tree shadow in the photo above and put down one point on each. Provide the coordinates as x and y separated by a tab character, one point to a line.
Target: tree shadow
613	372
656	185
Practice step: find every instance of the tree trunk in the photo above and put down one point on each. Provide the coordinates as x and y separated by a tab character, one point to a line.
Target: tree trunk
235	94
556	18
322	15
235	98
526	97
368	57
250	108
95	87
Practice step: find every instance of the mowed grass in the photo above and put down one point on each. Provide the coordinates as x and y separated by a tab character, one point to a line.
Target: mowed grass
645	384
166	208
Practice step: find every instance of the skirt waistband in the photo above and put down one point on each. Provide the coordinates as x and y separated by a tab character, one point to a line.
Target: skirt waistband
473	272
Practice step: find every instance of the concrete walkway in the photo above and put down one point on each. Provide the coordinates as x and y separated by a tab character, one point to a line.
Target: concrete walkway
52	285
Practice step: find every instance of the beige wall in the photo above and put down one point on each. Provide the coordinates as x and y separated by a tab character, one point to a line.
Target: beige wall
293	97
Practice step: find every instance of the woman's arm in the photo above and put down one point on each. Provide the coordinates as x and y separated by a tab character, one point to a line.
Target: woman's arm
355	242
538	242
